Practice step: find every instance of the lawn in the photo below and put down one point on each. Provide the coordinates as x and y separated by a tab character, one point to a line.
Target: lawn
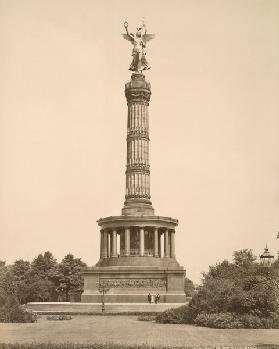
128	330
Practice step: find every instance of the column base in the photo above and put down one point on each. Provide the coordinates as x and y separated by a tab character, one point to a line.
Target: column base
137	207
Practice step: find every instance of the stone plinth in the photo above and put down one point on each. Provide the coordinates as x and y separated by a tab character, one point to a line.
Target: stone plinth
96	308
133	284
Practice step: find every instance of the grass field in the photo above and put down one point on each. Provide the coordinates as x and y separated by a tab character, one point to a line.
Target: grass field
128	330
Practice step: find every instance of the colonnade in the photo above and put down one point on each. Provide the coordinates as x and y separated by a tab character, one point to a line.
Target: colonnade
137	241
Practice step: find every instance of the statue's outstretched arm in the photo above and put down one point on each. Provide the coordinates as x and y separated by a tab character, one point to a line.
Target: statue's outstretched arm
131	36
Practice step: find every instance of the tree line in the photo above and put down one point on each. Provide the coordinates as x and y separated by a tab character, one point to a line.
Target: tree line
42	280
238	294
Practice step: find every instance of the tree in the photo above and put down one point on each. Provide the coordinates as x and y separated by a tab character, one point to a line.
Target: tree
44	265
244	258
189	287
20	270
20	277
241	287
42	290
69	275
42	285
241	294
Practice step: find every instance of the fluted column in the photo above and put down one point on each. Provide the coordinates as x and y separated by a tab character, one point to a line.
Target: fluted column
155	250
137	195
141	242
166	243
105	244
172	253
127	242
114	243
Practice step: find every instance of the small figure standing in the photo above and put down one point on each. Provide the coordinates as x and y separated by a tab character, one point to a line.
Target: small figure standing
139	40
157	298
149	298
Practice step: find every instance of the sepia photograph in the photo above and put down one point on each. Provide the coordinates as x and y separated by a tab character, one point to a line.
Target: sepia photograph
139	174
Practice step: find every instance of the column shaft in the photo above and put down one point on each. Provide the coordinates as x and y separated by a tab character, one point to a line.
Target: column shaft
155	242
114	243
101	247
141	242
105	244
108	246
101	243
172	252
166	243
127	242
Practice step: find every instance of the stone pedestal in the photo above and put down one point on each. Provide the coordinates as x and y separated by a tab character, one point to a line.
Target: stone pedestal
133	284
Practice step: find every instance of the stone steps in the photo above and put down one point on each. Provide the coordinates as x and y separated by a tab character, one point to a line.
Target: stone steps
96	308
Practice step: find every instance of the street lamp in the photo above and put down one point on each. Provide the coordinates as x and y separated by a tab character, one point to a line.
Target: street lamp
103	288
266	259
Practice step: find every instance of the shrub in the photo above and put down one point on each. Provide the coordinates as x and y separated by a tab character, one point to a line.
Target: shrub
59	317
219	320
12	311
189	287
179	315
232	320
146	317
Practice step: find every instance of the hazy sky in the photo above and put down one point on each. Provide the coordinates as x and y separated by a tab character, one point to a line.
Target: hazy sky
214	124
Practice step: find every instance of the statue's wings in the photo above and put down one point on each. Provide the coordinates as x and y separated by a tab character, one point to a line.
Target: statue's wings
148	37
127	37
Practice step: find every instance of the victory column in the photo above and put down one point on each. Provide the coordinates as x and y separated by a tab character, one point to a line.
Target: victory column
137	248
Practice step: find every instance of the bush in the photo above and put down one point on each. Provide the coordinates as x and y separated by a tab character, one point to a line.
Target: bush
232	320
12	311
242	294
59	317
221	320
146	317
181	315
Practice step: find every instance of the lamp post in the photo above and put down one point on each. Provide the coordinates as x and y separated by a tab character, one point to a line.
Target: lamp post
103	288
266	259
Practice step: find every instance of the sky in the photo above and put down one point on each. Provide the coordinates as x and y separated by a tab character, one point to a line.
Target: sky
214	123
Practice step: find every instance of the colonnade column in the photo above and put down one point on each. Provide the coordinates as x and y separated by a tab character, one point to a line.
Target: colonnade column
166	243
155	242
114	243
127	242
108	245
105	244
172	253
101	244
141	242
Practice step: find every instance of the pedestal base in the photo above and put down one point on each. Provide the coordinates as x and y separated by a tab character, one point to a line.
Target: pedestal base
97	309
123	284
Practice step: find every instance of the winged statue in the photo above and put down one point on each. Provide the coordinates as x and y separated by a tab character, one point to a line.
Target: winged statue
138	40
